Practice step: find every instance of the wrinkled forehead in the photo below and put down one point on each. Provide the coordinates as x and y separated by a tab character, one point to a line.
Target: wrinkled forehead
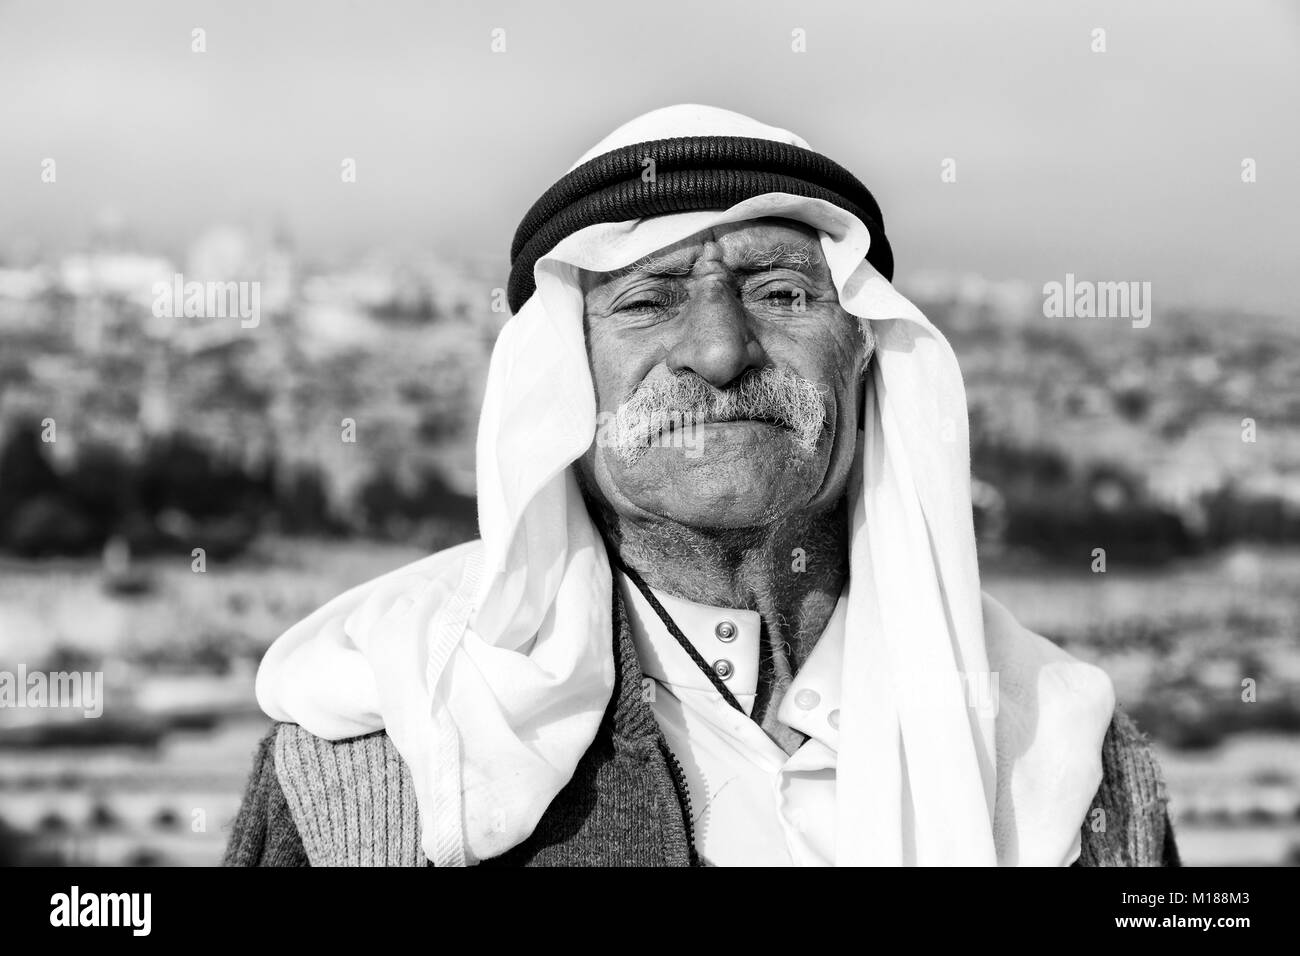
756	245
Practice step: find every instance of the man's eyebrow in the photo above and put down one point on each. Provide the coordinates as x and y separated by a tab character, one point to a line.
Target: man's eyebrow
669	264
798	256
784	255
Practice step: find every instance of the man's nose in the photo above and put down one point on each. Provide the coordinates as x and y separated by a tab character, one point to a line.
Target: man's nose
717	341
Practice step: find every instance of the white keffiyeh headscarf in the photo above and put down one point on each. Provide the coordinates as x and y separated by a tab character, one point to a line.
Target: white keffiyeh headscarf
490	664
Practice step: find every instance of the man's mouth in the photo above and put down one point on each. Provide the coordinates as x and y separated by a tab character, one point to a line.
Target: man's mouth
674	425
672	412
756	419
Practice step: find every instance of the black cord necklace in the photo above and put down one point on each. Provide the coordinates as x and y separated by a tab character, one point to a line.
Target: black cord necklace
673	629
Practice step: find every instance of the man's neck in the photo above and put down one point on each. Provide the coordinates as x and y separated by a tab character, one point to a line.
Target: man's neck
790	572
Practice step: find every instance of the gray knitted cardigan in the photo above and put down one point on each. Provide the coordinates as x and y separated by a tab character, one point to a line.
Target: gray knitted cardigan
313	802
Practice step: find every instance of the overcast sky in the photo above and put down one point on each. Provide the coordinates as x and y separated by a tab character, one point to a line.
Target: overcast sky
1122	165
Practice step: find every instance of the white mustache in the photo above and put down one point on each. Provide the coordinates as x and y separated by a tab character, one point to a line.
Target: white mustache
773	395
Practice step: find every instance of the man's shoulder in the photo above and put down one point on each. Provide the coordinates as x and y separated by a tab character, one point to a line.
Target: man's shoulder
353	801
295	748
1128	822
326	803
263	832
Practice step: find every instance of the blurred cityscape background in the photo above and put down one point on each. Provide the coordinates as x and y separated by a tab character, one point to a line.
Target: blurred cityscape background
127	440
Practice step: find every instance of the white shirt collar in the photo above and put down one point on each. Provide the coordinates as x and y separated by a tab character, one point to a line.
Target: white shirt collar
729	639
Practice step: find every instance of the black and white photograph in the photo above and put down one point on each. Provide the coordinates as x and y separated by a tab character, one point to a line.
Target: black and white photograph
689	434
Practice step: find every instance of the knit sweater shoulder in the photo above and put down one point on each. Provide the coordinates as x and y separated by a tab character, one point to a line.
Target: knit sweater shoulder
314	802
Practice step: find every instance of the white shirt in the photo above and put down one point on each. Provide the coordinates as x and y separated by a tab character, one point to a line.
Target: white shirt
752	804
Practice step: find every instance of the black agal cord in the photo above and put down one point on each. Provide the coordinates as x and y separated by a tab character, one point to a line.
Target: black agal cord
674	630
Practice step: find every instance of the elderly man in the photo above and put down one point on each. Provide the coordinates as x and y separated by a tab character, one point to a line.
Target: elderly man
725	608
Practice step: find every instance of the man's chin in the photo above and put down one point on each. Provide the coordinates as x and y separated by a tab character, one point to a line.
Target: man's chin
717	491
711	513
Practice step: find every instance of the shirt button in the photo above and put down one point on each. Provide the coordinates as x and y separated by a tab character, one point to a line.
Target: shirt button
807	699
723	668
833	718
726	632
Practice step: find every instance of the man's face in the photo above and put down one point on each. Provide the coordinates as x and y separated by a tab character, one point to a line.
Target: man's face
727	379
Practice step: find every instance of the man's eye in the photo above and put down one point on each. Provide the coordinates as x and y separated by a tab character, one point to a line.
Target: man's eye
641	305
783	296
